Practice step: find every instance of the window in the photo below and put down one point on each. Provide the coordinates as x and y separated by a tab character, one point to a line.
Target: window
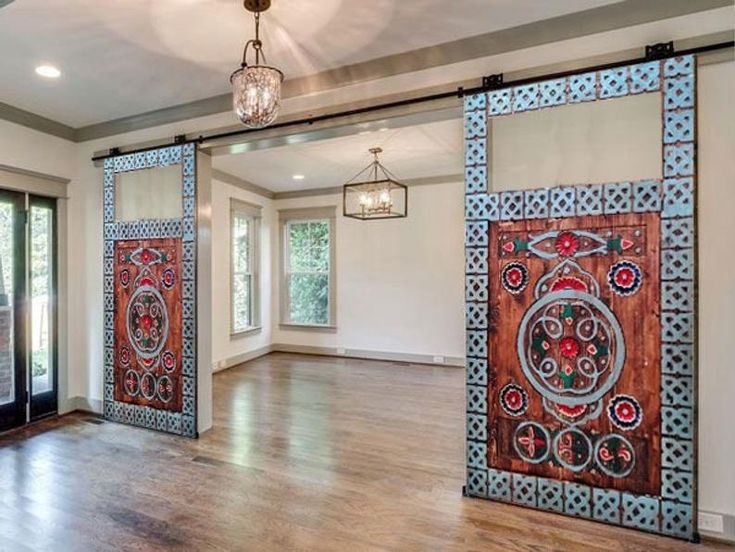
307	290
245	251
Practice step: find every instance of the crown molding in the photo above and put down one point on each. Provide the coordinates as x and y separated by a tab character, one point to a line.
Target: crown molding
411	182
36	122
229	178
597	20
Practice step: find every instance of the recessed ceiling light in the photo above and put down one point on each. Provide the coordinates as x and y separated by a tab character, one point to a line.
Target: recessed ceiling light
298	177
48	71
383	129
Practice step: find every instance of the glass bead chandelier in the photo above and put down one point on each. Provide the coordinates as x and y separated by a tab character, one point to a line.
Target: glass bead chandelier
256	89
379	197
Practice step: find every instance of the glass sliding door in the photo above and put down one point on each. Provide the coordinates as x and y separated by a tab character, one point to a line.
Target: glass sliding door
28	323
42	305
12	310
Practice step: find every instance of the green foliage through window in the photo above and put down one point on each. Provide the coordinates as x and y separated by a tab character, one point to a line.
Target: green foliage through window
242	271
308	271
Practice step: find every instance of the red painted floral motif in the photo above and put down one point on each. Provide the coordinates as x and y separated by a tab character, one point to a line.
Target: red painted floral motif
569	282
532	443
513	399
571	411
169	360
514	277
169	278
624	278
131	383
624	412
566	244
569	347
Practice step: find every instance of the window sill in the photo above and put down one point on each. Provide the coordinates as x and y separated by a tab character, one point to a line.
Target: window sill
328	328
247	331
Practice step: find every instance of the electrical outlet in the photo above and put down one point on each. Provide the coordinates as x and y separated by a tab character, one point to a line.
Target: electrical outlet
713	523
439	360
340	350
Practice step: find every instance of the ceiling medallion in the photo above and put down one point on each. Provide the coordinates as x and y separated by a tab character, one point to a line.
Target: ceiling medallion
256	89
380	196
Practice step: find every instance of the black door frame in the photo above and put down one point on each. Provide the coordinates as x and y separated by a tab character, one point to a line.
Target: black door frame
26	407
14	414
46	404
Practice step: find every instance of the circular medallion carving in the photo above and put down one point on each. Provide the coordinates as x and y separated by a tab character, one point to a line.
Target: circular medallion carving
165	388
572	449
147	322
624	412
570	347
513	399
614	455
168	360
169	278
624	278
514	277
148	386
532	442
132	383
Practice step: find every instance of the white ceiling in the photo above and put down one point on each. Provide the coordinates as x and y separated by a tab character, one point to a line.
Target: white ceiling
125	57
428	150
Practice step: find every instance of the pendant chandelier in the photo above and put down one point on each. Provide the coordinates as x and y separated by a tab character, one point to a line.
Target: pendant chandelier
375	193
256	89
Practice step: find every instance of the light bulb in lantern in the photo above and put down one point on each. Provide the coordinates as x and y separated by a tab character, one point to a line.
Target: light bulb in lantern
256	94
385	198
256	89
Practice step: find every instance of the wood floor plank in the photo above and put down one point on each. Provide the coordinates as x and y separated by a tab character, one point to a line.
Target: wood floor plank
306	453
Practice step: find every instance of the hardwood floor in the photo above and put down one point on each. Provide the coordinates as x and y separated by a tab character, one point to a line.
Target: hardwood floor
307	453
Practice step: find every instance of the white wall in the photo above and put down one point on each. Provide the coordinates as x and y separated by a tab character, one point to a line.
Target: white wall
227	348
400	283
24	148
716	135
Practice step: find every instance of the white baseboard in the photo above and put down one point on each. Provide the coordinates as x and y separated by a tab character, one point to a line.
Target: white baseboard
241	358
335	352
369	355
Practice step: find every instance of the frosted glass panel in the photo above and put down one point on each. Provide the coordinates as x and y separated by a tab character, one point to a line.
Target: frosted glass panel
149	194
613	140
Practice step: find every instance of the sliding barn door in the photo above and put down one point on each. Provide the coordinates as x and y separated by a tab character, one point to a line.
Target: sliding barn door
580	296
150	289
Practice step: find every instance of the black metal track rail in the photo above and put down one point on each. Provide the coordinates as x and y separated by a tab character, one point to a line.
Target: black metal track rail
493	82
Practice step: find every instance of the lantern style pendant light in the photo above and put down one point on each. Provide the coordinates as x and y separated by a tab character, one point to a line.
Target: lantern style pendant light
375	193
256	89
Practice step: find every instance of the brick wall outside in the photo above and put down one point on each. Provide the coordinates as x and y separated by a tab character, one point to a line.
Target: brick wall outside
6	354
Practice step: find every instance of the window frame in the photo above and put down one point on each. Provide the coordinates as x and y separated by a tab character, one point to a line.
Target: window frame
251	213
305	215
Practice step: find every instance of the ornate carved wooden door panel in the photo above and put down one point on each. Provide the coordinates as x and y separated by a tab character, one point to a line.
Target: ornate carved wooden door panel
580	320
